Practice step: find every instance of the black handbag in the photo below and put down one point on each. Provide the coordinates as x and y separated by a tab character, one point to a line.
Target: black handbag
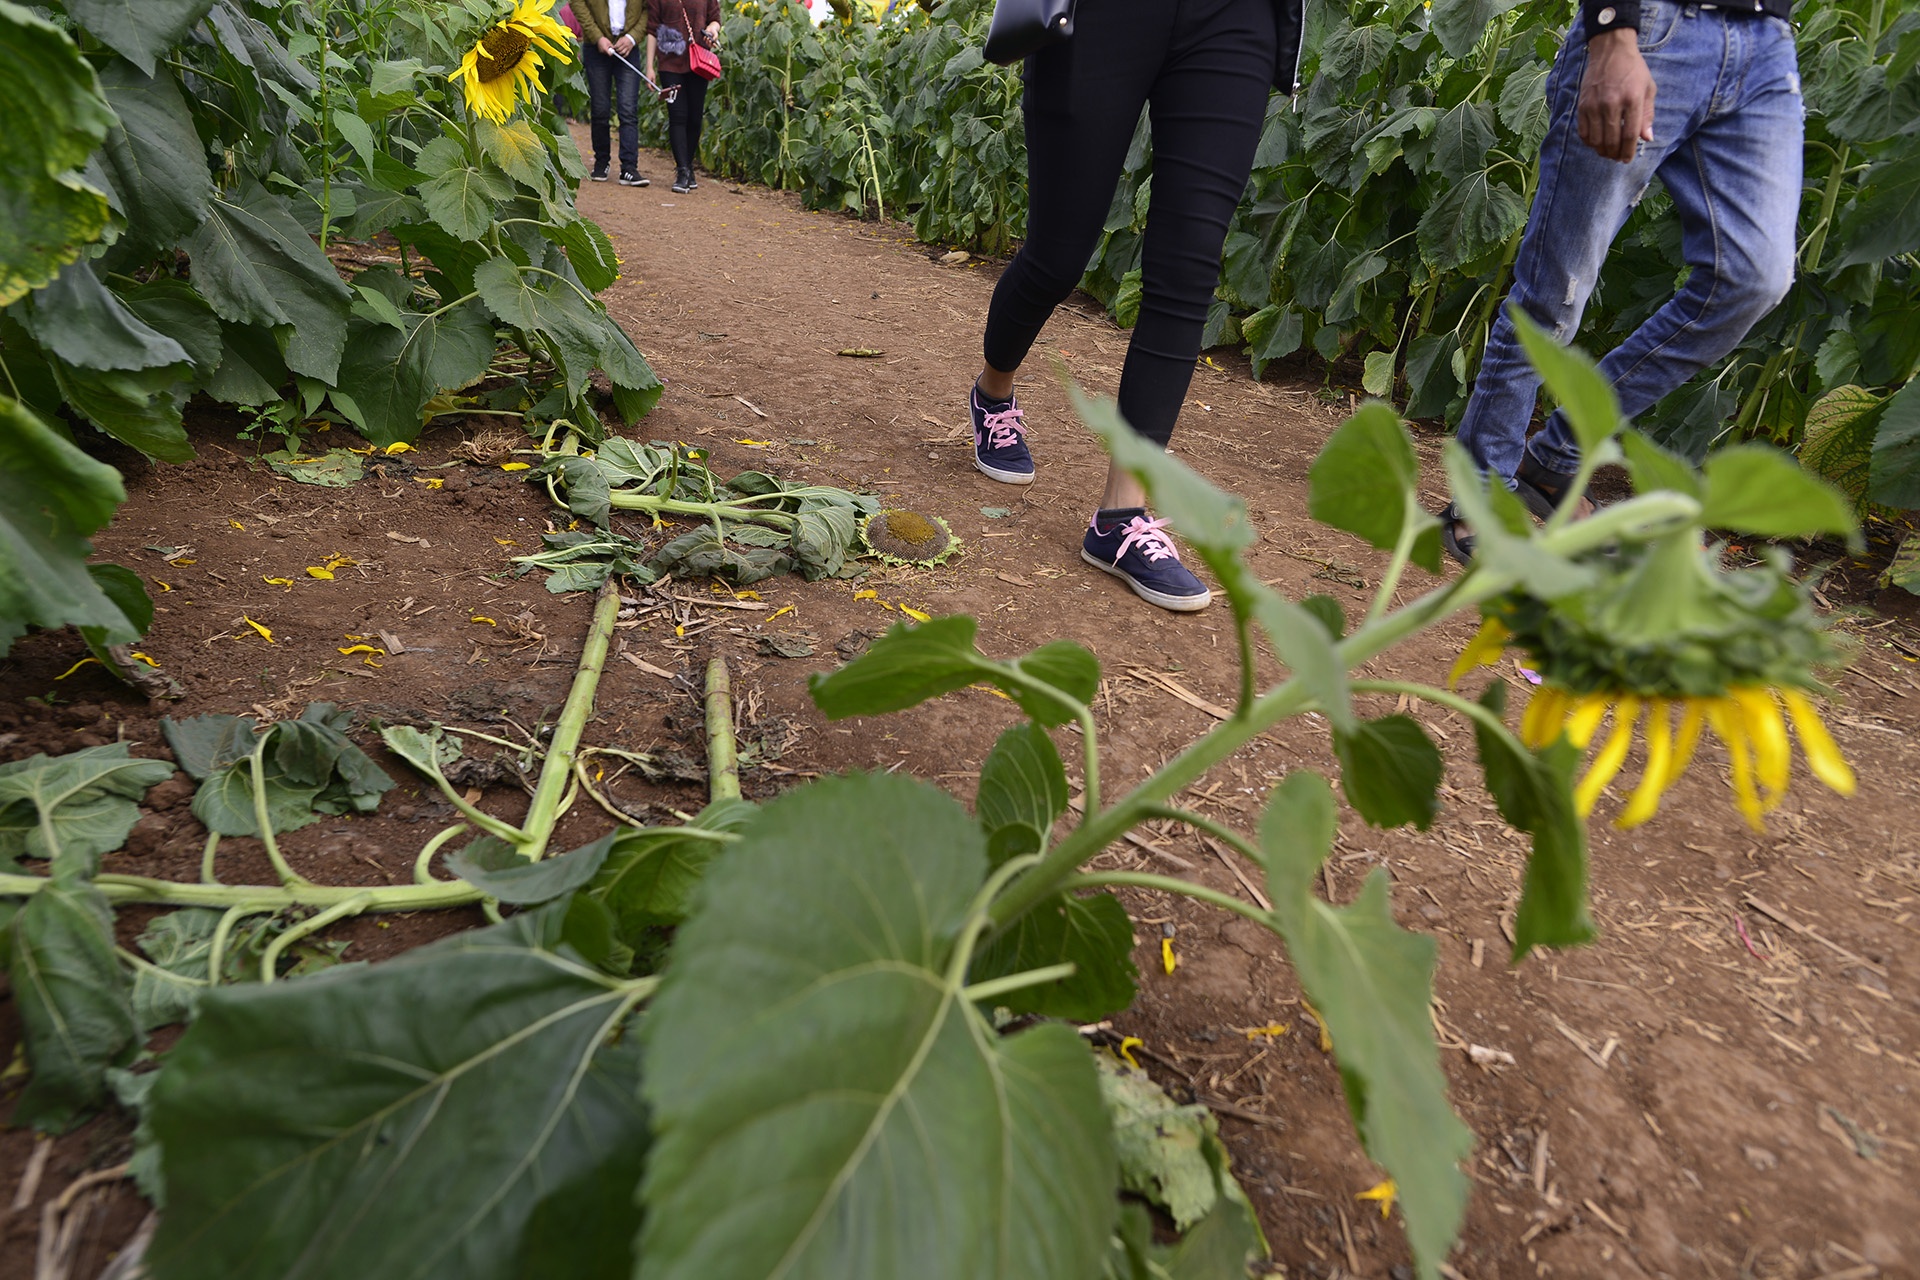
1019	27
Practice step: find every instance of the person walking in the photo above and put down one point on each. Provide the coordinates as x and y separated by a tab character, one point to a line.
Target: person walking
1203	70
671	24
607	31
1706	98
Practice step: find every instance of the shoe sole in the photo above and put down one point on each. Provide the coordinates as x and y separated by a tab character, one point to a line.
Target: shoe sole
599	177
1004	477
1173	604
625	183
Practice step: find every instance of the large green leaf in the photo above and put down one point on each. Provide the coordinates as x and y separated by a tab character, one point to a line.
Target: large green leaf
154	155
71	993
52	499
81	322
650	873
1213	521
1094	934
1757	489
1839	439
1535	794
392	373
138	30
1470	219
910	665
1885	220
76	807
1896	451
1459	23
55	118
1023	789
502	872
255	265
827	1103
1371	982
172	307
309	768
1390	771
516	148
293	1117
1585	395
139	407
1366	481
544	307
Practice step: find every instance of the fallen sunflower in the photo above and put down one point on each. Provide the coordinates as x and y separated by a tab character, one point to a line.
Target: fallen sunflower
908	538
1669	631
506	59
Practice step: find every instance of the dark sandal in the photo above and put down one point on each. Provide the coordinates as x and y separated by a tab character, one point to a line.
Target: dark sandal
1460	548
1542	490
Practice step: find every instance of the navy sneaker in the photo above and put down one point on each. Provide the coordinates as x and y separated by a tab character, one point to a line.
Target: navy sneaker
999	439
633	178
1131	547
600	172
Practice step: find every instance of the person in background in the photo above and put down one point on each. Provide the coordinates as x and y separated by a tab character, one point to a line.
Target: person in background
571	23
1203	70
670	25
607	32
1724	139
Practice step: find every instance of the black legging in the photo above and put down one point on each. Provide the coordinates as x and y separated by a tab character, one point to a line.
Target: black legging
1205	68
684	115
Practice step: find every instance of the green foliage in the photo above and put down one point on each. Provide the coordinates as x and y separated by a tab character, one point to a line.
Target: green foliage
73	999
826	1100
307	767
71	809
287	1110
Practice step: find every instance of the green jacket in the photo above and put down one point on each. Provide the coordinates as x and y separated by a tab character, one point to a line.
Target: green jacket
596	25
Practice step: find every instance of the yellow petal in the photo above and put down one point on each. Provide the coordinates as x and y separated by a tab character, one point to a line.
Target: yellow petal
515	466
785	608
432	482
1686	740
277	582
1267	1032
143	658
1384	1192
868	594
1167	957
1823	754
1126	1049
1645	800
1725	717
1326	1037
916	615
265	634
1483	650
1773	756
1583	720
483	618
236	524
315	571
1546	712
1614	754
398	446
90	658
362	648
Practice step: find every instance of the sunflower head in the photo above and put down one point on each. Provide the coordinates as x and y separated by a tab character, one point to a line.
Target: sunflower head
502	69
909	538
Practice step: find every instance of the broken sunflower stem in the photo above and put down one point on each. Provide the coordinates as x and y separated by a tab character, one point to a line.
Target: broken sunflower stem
551	795
723	763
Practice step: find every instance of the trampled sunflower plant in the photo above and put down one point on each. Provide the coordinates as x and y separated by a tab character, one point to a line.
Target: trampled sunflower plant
503	67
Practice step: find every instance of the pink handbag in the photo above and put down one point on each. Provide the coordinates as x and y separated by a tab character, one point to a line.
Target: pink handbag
703	61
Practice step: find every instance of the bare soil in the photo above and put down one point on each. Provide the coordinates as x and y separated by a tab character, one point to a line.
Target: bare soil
1723	1086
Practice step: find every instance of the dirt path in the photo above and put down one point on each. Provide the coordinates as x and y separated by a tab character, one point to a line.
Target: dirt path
1685	1100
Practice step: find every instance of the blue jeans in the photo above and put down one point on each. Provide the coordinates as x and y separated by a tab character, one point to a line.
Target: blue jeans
1727	125
608	77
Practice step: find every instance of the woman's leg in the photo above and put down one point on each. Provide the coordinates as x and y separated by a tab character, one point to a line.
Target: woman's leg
694	89
1207	108
677	115
1082	102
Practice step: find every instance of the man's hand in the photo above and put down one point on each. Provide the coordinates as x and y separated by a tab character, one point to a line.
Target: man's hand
623	46
605	45
1616	95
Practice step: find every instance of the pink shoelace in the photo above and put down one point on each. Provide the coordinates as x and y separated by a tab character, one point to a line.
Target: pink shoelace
1154	543
1004	428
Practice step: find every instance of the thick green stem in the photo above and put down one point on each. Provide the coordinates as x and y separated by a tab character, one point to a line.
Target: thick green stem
257	762
423	865
1017	982
723	765
257	898
738	509
1467	707
1410	526
555	775
206	859
1200	822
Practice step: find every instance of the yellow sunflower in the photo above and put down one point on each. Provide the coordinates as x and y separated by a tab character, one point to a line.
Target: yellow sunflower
504	64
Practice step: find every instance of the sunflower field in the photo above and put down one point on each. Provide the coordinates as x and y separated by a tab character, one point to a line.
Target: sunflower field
193	193
1387	202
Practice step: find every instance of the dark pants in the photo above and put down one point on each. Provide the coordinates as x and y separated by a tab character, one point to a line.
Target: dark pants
1203	68
607	75
684	116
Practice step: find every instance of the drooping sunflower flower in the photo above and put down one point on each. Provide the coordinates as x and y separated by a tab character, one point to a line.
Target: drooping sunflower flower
1667	631
503	67
908	538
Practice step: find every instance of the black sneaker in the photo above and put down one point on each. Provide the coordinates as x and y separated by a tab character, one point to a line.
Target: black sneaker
682	181
693	181
631	178
1137	550
999	439
600	172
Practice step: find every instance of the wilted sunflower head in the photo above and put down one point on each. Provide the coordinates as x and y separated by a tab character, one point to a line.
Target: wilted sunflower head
503	66
1668	629
908	538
